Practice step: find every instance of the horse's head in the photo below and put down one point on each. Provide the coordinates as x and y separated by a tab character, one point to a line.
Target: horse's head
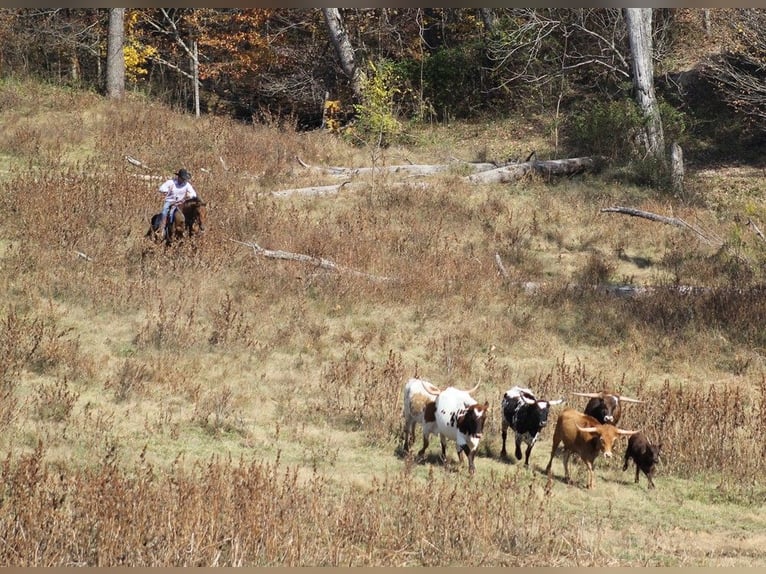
202	215
195	212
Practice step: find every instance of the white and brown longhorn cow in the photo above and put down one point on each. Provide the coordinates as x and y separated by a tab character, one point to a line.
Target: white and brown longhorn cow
459	417
584	436
419	405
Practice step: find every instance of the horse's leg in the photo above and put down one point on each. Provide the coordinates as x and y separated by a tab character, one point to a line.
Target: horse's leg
154	225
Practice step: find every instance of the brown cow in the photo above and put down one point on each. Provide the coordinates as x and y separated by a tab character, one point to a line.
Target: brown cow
644	454
585	436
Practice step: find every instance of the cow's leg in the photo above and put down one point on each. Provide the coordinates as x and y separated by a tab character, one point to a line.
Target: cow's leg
566	466
518	446
504	433
627	459
638	469
443	441
589	464
409	433
460	450
470	455
649	476
548	470
426	435
529	450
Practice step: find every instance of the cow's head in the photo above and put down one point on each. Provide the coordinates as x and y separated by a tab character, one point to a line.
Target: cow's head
603	436
471	423
654	452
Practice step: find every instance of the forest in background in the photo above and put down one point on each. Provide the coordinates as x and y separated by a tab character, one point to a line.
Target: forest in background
420	64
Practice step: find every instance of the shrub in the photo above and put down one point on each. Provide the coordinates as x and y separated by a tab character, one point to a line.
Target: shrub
375	117
609	129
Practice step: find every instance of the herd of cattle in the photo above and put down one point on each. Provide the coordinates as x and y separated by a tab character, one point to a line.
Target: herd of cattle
456	416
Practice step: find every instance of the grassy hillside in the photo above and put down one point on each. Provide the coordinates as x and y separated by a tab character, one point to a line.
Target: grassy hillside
205	404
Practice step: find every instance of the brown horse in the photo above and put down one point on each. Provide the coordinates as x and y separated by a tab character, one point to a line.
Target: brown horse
195	213
174	226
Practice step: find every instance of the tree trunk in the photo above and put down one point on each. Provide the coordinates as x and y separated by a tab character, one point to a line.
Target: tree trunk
344	49
195	73
488	18
115	58
639	22
677	169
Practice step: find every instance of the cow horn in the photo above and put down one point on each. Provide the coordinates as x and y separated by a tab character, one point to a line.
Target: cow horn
527	399
587	429
471	391
431	388
589	395
556	402
627	432
629	400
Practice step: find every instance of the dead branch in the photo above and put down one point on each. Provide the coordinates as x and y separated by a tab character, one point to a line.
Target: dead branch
503	270
756	230
315	261
134	161
663	219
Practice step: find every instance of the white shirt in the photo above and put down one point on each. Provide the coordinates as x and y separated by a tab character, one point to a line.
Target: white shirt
175	193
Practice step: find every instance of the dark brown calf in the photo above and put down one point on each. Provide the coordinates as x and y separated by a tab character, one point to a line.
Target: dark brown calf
644	454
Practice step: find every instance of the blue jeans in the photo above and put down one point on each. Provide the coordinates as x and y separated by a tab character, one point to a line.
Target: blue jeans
166	207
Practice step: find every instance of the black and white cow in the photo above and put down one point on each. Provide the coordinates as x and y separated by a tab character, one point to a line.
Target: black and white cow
526	415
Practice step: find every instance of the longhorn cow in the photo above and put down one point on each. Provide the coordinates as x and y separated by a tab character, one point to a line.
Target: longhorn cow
584	436
419	405
604	406
461	418
527	416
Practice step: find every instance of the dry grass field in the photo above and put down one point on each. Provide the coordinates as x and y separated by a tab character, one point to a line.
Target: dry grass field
204	404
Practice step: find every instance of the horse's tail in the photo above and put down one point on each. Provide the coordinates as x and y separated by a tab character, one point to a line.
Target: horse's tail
154	224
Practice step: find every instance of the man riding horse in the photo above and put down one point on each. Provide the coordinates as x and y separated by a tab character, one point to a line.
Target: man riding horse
176	190
183	210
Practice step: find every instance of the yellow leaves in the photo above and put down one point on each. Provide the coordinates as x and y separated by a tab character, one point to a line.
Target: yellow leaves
136	55
333	116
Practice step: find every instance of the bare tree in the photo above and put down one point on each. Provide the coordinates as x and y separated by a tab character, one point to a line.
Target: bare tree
344	49
639	22
539	46
115	58
169	25
737	72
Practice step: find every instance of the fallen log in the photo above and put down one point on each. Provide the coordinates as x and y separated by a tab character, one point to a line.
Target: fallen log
315	261
409	169
335	188
517	171
315	190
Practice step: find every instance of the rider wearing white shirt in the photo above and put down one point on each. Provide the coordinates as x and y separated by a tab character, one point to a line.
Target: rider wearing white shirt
176	190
